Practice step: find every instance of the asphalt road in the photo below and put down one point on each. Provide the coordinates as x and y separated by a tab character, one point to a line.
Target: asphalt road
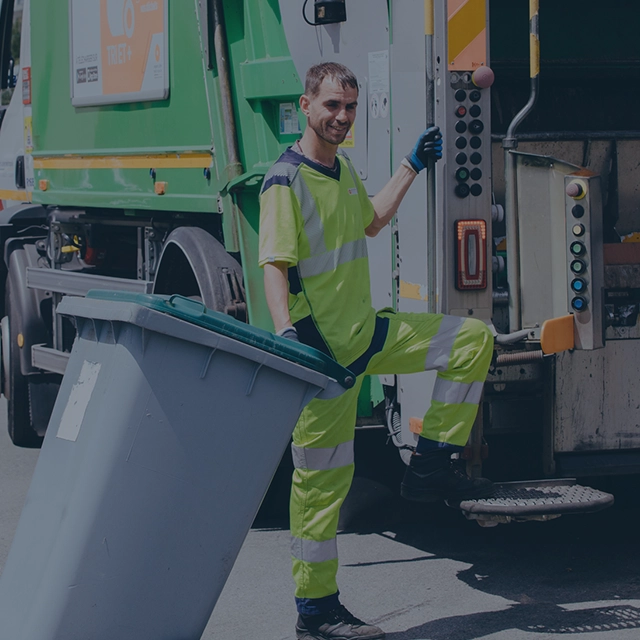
426	573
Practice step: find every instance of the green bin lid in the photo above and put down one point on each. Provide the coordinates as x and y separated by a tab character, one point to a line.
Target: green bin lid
196	313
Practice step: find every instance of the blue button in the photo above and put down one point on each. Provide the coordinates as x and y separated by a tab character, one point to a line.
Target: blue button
579	303
578	285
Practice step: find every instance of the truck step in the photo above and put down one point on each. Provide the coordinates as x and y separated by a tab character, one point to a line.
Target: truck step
534	500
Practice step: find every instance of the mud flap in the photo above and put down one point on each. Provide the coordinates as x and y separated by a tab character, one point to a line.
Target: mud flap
535	500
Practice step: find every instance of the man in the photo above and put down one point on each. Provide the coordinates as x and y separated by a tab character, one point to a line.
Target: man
315	215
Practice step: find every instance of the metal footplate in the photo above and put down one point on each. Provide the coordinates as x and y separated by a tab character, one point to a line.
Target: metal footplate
535	500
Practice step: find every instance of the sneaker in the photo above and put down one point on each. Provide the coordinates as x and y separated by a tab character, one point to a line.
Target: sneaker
434	476
337	624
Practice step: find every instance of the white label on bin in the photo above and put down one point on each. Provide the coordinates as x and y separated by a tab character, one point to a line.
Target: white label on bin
78	401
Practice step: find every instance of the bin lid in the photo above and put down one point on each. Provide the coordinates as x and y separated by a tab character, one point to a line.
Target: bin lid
196	313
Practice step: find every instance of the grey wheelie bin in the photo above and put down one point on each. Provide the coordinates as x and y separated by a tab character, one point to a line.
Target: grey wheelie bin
170	422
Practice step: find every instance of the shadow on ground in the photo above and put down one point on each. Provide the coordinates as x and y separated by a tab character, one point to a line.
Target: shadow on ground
591	559
541	566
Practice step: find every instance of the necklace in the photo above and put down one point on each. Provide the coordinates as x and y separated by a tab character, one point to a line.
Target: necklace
299	150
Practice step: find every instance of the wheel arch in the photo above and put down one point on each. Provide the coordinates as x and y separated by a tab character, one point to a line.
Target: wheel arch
194	263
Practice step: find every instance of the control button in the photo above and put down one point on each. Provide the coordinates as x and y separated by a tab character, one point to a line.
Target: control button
461	111
577	248
578	285
461	126
476	174
483	77
475	142
476	126
462	174
462	190
461	142
466	77
460	95
461	158
576	189
475	110
578	267
577	211
476	158
579	303
578	230
475	95
476	189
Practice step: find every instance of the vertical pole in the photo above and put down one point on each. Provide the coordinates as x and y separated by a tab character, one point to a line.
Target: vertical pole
234	167
432	263
510	143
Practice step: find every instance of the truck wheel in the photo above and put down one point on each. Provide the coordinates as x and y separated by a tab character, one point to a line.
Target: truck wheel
194	264
16	387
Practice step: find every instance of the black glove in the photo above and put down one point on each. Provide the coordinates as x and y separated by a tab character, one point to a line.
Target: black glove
428	147
289	333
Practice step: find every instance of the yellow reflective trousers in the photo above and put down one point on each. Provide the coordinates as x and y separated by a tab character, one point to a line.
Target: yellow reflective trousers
459	349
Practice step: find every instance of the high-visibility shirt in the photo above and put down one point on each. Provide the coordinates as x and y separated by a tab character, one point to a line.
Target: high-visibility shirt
314	218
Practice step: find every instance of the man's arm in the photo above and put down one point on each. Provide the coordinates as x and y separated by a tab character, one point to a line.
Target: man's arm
386	202
276	287
388	199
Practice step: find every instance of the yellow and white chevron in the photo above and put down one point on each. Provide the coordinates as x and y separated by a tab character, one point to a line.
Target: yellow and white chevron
467	34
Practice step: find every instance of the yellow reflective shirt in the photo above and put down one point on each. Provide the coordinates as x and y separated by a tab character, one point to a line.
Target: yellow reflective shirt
314	218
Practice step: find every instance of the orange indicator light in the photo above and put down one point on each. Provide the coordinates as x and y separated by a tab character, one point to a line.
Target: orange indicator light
471	254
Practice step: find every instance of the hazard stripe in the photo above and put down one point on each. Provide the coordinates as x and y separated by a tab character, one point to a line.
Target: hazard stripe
18	196
465	25
534	38
428	17
151	161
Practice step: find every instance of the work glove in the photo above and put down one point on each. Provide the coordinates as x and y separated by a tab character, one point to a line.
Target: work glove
428	147
290	333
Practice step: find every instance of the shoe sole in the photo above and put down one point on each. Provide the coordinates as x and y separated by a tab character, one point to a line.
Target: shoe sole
308	636
433	495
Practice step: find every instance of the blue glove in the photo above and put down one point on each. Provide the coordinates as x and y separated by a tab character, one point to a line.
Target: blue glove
428	147
290	333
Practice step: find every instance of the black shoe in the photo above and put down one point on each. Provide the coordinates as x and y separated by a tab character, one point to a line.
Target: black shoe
433	476
337	624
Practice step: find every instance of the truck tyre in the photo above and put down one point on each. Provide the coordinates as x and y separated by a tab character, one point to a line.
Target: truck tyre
194	264
16	386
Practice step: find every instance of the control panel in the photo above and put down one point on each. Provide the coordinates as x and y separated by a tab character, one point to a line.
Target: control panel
585	265
467	191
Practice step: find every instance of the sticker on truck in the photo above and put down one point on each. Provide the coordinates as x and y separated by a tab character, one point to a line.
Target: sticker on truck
119	51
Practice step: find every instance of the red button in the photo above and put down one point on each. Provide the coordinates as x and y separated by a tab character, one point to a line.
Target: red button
461	111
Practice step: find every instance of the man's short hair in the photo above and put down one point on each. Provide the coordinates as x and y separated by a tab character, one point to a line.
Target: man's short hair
337	72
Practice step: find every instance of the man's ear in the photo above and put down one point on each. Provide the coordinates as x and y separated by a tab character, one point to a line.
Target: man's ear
304	104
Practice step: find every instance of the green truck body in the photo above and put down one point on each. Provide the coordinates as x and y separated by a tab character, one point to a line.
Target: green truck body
118	190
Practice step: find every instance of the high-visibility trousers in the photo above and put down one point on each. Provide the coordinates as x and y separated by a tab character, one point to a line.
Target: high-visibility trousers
459	349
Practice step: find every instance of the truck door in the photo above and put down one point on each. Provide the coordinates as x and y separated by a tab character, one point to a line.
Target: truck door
15	87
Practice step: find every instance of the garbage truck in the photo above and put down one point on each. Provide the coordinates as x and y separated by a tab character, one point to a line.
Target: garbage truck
136	133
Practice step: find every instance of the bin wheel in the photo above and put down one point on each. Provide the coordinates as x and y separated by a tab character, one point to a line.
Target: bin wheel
194	264
16	387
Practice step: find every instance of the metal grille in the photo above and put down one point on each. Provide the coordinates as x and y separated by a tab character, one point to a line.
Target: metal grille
551	497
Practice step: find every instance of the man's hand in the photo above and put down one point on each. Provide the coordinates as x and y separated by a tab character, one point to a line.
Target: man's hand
290	333
428	147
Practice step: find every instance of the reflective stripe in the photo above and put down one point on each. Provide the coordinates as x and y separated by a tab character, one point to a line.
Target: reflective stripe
352	171
322	459
312	551
283	169
441	344
457	392
331	260
280	173
313	226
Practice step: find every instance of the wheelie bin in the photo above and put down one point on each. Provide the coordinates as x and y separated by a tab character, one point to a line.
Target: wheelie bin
170	422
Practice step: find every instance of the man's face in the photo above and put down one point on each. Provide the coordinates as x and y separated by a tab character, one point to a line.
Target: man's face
332	112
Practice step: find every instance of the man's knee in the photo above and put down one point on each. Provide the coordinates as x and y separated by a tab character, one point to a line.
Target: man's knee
478	334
